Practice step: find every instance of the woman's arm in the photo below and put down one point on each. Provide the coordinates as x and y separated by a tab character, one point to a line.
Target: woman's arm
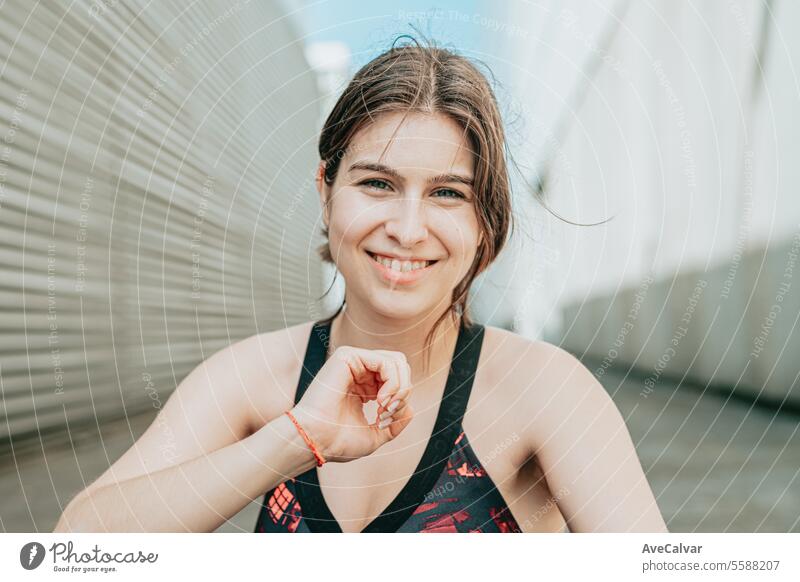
201	461
585	450
198	495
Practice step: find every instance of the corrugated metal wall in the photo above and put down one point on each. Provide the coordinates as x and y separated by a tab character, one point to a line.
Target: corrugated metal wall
156	198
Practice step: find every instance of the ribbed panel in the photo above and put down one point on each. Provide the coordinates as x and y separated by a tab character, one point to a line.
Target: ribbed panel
156	201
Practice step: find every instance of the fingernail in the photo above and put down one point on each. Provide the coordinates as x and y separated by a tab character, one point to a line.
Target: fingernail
393	406
385	422
384	400
385	414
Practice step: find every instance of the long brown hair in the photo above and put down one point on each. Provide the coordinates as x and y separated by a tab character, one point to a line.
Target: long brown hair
416	77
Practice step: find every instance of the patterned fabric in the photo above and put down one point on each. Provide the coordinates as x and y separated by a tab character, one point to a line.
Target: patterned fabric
464	500
282	510
449	491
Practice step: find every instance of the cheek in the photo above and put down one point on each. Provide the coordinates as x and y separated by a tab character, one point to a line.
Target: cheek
352	219
468	243
460	235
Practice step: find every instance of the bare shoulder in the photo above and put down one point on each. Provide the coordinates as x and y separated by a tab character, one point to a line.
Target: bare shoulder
513	355
269	364
548	384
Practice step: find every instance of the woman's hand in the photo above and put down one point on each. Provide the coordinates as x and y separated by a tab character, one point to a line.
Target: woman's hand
331	410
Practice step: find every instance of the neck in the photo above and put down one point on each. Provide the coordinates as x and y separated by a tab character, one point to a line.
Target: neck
368	330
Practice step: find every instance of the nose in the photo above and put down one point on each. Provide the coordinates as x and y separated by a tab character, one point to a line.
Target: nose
407	224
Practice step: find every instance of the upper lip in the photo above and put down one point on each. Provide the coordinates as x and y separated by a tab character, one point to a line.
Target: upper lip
401	258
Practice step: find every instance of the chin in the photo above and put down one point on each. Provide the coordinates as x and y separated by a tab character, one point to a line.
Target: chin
392	305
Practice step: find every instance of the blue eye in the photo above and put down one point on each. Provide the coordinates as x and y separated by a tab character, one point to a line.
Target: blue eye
455	193
372	184
383	185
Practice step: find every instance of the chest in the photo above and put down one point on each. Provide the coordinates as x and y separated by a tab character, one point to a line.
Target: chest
490	473
378	492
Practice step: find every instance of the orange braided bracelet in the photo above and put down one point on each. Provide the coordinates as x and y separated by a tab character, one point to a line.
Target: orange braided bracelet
309	442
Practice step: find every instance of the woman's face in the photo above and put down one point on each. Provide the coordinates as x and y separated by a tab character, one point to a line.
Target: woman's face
402	227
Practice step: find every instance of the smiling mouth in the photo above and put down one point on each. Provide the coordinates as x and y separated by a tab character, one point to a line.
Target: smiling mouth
398	265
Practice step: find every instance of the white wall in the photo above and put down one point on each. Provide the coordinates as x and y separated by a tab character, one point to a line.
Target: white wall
668	140
692	149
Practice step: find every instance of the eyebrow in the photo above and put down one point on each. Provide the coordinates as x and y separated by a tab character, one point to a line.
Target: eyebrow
389	171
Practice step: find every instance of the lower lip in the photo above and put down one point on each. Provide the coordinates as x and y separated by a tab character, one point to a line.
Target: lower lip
400	277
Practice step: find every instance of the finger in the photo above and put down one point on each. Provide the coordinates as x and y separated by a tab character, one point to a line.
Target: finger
399	407
402	362
396	409
360	393
401	418
357	370
390	387
398	396
388	410
387	429
405	374
386	367
384	398
353	364
403	394
357	394
364	367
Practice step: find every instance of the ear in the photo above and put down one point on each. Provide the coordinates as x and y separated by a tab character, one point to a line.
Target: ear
324	191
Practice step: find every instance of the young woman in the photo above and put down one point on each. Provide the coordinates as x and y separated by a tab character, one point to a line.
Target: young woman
404	414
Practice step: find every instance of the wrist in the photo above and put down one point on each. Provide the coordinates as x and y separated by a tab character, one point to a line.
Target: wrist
294	448
312	427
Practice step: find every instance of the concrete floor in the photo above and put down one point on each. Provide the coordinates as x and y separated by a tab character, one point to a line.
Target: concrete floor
715	466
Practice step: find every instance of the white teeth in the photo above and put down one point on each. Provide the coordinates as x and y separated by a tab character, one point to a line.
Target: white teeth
401	266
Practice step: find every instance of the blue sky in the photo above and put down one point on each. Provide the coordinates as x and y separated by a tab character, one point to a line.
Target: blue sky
368	28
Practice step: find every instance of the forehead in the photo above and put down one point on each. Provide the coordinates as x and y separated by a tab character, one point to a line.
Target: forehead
421	142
